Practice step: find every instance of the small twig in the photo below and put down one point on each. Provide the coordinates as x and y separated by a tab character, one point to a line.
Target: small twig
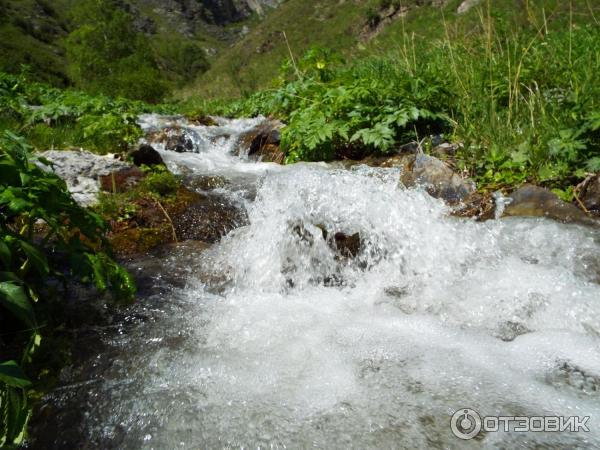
585	210
169	219
577	188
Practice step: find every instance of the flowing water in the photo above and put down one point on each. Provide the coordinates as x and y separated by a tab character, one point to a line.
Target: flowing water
272	338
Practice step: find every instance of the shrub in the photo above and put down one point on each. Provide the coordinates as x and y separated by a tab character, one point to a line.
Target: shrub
43	234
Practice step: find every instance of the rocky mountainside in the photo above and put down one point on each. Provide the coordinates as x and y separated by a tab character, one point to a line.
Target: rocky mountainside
31	31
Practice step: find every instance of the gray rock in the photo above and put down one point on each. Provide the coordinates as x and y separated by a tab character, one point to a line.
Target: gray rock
534	201
434	175
466	5
262	143
81	170
439	180
590	194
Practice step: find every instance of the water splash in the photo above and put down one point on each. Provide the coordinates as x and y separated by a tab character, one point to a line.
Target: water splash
302	346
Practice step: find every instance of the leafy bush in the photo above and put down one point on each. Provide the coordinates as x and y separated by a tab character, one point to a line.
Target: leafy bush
335	111
43	234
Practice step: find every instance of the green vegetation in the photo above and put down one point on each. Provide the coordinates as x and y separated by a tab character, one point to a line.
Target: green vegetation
253	62
106	55
54	118
44	235
29	32
522	100
158	184
518	88
98	46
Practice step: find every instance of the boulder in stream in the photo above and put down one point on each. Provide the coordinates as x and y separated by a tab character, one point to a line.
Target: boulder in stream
146	155
419	169
262	143
174	138
589	194
439	180
121	180
208	218
535	201
348	245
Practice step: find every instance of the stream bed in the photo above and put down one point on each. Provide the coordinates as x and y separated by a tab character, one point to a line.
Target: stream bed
274	338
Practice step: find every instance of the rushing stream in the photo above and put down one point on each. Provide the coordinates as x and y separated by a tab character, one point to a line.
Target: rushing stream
272	338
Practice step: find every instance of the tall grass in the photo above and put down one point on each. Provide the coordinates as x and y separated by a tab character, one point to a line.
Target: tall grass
523	102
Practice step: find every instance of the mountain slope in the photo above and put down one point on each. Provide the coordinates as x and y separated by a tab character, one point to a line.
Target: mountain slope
32	32
359	28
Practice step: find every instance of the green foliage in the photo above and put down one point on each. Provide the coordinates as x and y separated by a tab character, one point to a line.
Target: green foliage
520	117
159	180
179	58
43	233
51	117
335	111
107	55
158	184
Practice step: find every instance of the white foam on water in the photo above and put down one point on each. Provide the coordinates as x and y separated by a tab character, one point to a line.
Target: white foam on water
309	348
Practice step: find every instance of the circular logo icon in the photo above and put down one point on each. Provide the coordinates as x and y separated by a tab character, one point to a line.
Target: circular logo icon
465	424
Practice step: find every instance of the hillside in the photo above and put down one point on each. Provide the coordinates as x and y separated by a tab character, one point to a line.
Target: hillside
224	49
184	34
366	27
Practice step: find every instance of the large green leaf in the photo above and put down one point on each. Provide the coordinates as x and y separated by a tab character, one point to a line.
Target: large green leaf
12	375
37	258
13	298
15	411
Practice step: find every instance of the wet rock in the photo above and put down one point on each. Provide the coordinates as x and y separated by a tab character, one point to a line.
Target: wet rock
206	182
568	375
395	161
146	155
589	194
179	142
508	331
438	179
348	246
174	138
208	218
478	206
81	170
121	180
190	216
344	244
206	121
445	150
262	143
534	201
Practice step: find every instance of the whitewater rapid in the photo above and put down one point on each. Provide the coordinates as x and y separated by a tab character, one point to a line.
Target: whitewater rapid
273	339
